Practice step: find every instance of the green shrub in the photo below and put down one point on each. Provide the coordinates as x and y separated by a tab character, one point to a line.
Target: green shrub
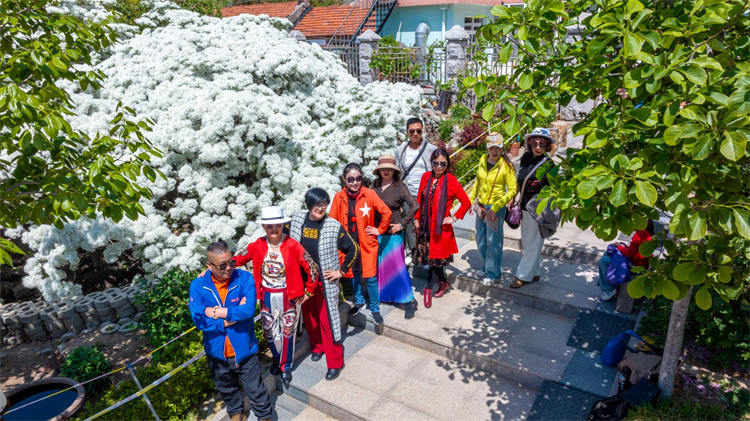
464	164
678	410
719	336
460	112
130	10
174	399
445	129
85	363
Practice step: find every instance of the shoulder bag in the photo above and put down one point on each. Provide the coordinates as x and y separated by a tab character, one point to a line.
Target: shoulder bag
514	215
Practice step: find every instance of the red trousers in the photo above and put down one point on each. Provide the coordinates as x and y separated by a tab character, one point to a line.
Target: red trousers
318	328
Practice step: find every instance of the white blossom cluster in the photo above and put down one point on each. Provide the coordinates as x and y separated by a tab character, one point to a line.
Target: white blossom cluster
245	116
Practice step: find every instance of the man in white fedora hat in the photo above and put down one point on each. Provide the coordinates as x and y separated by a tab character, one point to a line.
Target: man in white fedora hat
285	277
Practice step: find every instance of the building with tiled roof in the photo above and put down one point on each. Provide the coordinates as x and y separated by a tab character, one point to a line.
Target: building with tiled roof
322	22
275	10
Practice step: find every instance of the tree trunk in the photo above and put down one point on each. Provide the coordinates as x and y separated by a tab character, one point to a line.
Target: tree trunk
673	346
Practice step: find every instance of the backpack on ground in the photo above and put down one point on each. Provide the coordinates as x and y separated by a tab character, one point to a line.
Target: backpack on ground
616	407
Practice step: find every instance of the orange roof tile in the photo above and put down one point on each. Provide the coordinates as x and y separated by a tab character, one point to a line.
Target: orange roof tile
277	10
323	21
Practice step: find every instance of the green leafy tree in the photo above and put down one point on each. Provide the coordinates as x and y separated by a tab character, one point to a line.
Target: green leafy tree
50	171
668	136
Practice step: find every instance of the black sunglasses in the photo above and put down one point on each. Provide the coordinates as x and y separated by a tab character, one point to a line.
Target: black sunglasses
535	143
224	265
415	131
439	164
357	179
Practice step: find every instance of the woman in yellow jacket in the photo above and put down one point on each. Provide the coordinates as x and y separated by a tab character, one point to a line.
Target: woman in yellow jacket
495	185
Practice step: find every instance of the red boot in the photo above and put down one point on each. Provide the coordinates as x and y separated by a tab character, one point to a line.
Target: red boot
443	289
427	297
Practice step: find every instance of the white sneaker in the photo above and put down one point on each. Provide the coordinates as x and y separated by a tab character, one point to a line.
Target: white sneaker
487	281
407	260
608	295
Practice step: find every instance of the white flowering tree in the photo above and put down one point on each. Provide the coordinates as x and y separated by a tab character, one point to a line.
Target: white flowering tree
245	117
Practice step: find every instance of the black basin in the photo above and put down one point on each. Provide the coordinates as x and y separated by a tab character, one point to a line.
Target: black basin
58	407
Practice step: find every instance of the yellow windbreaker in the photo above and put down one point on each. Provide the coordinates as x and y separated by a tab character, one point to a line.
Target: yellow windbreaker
504	180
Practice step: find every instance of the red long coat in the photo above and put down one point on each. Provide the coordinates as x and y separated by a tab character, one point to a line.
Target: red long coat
367	201
444	245
295	262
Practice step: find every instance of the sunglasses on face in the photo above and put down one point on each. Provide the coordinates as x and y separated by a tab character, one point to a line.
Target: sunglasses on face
273	226
415	131
225	265
439	164
357	179
537	144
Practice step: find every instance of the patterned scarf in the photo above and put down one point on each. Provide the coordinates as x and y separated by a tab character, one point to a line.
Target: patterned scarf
428	197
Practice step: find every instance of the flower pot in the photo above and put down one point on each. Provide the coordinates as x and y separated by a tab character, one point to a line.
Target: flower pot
514	147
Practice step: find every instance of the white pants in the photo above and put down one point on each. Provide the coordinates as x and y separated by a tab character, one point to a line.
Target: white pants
531	242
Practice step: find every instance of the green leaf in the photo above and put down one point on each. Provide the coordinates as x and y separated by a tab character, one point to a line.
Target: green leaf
525	80
742	222
697	227
633	6
695	74
488	111
469	81
707	63
683	271
635	287
725	274
587	187
672	135
703	298
632	45
669	289
733	146
556	6
504	54
619	194
480	89
647	248
645	192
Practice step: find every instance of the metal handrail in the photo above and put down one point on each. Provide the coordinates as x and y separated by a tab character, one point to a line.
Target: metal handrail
342	25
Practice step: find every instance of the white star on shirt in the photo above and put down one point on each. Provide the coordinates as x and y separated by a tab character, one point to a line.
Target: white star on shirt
365	210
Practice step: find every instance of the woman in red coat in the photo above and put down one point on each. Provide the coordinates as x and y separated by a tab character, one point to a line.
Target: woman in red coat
436	243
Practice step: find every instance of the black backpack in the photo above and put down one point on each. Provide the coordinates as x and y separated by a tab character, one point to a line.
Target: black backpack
616	407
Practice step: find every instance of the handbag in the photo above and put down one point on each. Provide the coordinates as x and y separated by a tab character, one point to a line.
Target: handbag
514	215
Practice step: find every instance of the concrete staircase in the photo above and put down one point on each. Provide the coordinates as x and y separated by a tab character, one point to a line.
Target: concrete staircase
481	352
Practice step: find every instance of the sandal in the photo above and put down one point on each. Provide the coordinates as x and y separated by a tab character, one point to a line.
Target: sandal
517	283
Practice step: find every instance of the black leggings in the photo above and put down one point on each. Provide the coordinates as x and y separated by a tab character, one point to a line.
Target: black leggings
435	275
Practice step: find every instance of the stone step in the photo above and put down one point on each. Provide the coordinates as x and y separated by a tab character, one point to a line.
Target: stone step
387	379
503	337
287	408
569	242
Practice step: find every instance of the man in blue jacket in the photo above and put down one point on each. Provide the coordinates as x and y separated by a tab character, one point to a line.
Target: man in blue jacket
222	304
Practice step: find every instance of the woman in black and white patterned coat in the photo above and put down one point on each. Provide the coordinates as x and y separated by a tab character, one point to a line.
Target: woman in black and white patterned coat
324	239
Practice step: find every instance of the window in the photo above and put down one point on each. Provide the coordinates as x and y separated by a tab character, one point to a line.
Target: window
471	24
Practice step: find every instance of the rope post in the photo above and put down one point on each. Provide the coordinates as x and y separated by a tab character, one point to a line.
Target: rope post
145	398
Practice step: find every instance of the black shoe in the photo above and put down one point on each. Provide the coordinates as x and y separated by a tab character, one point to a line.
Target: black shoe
286	377
316	356
332	373
275	369
409	311
354	310
377	318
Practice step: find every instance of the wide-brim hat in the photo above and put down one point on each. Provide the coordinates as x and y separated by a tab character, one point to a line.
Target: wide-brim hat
272	215
386	161
495	139
540	132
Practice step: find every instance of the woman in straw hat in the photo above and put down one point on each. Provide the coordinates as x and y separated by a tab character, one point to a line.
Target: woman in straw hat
538	144
285	277
494	187
394	282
